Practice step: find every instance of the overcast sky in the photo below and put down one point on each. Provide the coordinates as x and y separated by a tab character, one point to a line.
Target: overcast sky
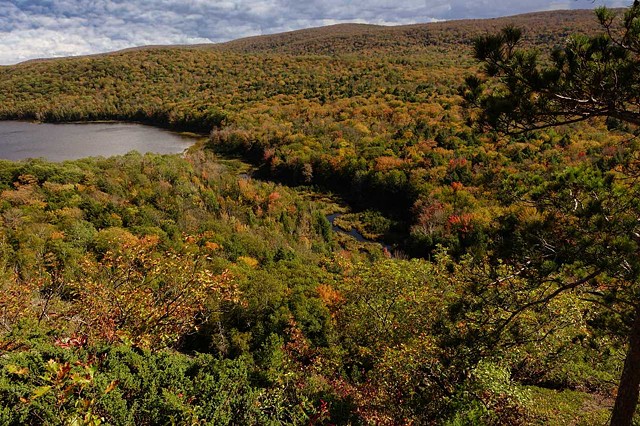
46	28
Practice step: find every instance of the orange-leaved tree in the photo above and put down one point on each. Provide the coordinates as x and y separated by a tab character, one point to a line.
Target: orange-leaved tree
149	297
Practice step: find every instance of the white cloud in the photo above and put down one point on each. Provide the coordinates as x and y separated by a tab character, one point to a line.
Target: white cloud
44	28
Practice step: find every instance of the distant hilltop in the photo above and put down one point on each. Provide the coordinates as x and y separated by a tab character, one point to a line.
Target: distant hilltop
541	28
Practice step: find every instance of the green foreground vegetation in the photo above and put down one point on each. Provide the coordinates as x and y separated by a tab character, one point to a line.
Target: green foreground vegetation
148	289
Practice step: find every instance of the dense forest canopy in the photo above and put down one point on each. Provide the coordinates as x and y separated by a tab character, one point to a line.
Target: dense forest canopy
591	76
148	289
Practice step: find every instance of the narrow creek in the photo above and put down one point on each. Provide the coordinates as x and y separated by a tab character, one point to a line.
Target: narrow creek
354	232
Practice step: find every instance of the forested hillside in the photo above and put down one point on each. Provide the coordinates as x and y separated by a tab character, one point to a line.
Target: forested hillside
542	28
165	289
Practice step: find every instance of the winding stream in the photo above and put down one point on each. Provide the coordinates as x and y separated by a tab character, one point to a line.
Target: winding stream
354	232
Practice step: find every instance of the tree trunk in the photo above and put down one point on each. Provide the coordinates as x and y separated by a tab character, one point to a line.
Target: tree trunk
629	386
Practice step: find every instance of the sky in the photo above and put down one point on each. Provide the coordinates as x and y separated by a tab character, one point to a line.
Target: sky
49	28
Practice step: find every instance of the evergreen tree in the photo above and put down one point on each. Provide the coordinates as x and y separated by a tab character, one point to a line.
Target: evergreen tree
590	77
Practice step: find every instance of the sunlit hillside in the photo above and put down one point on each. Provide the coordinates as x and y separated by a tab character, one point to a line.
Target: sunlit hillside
225	286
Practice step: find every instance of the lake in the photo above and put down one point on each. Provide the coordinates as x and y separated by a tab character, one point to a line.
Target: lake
58	142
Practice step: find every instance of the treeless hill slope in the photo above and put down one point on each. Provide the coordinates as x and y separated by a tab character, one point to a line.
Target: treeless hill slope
542	28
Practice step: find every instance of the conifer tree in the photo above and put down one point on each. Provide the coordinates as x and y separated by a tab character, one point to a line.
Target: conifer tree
589	77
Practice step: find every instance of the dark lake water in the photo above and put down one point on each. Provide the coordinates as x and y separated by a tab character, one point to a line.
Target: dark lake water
59	142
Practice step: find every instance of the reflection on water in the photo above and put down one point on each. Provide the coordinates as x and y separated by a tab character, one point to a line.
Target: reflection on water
354	233
59	142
